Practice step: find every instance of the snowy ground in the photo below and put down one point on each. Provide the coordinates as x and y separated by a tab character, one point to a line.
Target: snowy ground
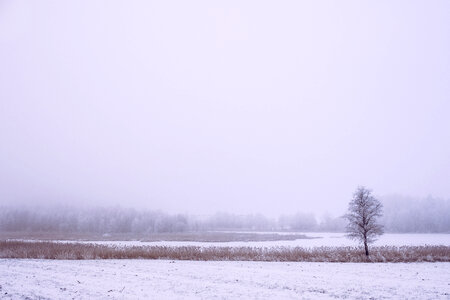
162	279
322	239
333	240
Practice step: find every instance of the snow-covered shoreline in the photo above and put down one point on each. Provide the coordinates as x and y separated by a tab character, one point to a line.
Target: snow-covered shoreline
321	239
165	279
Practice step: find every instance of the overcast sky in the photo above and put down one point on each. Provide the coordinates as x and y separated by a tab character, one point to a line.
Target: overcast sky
241	106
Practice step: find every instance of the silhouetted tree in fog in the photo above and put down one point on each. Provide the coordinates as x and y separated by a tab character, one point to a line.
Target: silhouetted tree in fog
363	211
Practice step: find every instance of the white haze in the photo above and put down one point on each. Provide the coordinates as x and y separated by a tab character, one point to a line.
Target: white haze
241	106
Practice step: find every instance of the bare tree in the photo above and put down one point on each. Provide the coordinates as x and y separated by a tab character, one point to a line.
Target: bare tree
363	211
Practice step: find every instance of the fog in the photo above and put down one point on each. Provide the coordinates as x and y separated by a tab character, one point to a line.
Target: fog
401	214
240	107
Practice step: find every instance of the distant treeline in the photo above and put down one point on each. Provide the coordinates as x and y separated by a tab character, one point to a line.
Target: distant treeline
403	214
125	220
400	215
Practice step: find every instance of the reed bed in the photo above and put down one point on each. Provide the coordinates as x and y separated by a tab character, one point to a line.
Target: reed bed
74	251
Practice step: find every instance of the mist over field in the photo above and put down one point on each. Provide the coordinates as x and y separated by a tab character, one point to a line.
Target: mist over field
247	149
238	107
404	215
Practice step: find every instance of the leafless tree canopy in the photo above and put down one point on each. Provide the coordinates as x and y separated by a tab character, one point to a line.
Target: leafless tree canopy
363	211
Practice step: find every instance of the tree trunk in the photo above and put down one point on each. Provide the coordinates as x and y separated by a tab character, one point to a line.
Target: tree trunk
366	248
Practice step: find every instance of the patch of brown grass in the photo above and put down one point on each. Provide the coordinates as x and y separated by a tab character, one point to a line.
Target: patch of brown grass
53	250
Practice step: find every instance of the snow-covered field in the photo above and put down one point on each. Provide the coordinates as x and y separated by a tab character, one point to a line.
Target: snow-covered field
163	279
332	240
321	239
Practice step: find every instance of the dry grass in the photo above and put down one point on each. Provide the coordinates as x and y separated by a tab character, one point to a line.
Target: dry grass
52	250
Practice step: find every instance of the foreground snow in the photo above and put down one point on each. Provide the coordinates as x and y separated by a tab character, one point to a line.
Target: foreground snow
162	279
